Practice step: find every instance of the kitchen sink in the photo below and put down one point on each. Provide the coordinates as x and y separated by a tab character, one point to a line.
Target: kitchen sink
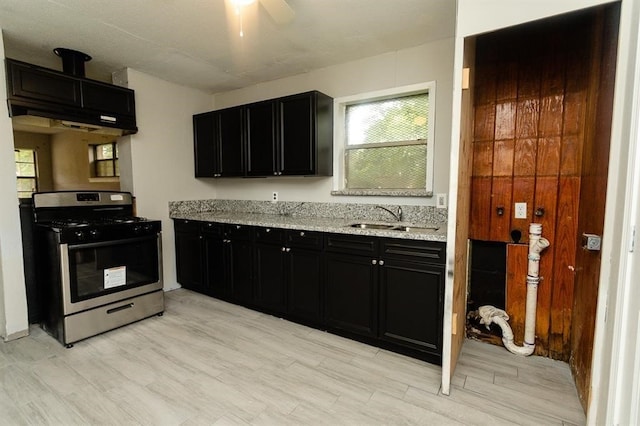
415	228
401	228
370	226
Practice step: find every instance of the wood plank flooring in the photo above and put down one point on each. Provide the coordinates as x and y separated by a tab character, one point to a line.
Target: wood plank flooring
210	362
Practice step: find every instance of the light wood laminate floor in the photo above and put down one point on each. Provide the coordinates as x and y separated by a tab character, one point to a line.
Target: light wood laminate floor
210	362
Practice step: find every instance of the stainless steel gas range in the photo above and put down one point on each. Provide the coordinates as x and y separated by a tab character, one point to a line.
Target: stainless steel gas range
98	266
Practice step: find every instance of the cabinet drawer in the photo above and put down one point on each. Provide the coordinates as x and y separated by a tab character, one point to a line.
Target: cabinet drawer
212	228
238	232
270	235
351	244
184	225
425	251
304	239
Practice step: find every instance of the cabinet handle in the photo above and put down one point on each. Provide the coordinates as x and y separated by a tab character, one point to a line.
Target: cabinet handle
238	226
275	173
302	234
381	262
374	262
288	249
284	248
267	230
500	211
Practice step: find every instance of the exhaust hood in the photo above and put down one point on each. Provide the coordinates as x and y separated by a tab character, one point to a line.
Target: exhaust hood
54	101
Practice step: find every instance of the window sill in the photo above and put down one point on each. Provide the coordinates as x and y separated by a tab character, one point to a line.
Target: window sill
104	179
384	192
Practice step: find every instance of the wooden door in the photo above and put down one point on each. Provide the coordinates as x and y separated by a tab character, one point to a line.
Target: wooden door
592	198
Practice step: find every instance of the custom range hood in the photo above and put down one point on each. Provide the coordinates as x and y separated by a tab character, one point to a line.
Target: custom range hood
53	101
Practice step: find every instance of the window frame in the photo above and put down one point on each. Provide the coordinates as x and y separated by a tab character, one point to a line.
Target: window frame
35	170
95	161
341	148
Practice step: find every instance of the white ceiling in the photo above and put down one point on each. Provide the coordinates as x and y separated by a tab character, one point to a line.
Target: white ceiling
194	43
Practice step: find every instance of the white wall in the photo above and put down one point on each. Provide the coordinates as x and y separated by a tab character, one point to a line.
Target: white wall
156	164
428	62
13	299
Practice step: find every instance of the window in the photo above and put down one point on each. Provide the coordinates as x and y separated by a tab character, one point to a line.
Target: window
26	172
387	141
105	160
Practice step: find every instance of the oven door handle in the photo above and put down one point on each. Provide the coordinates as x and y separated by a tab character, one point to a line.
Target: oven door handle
113	242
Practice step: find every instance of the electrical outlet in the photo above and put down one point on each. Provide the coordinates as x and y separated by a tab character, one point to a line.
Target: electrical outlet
520	211
274	196
441	201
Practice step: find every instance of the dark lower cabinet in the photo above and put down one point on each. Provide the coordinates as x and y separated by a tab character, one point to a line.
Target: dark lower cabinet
305	274
271	290
288	273
351	294
189	255
383	291
239	258
411	304
217	272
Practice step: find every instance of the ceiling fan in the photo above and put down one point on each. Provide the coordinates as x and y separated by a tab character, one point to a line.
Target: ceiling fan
279	10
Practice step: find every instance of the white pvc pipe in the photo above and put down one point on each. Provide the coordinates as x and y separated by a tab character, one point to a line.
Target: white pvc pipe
489	314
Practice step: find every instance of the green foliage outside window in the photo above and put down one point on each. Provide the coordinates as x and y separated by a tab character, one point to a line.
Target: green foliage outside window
386	143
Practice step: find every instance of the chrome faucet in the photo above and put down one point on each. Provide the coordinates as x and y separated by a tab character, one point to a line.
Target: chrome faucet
397	215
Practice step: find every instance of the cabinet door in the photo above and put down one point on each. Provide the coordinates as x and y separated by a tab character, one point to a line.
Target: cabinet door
351	294
297	135
189	260
411	304
270	284
304	269
218	282
231	142
42	85
108	98
206	150
240	255
261	139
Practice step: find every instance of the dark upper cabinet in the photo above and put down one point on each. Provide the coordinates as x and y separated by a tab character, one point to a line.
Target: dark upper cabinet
306	134
218	143
230	142
114	104
34	90
39	84
261	138
292	135
204	143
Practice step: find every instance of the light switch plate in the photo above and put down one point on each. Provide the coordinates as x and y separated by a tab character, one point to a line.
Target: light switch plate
441	201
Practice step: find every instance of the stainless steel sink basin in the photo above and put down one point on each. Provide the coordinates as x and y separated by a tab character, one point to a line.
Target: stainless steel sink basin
414	228
370	226
400	228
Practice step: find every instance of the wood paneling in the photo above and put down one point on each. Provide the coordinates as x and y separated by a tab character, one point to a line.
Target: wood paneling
516	292
500	201
480	214
564	266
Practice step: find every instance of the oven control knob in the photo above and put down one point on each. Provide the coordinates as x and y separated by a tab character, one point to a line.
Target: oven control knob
148	227
79	235
94	233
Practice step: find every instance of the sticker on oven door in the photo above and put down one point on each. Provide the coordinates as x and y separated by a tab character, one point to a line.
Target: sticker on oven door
115	277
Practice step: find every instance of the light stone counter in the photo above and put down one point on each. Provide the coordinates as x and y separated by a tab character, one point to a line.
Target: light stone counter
288	220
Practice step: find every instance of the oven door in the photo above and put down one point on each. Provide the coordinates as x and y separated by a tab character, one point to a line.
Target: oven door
95	274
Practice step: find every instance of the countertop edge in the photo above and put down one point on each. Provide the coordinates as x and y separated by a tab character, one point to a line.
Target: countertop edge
318	224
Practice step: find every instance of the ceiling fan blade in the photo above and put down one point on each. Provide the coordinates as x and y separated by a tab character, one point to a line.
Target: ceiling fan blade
279	10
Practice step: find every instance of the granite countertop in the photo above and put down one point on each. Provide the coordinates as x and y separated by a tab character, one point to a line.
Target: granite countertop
320	224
